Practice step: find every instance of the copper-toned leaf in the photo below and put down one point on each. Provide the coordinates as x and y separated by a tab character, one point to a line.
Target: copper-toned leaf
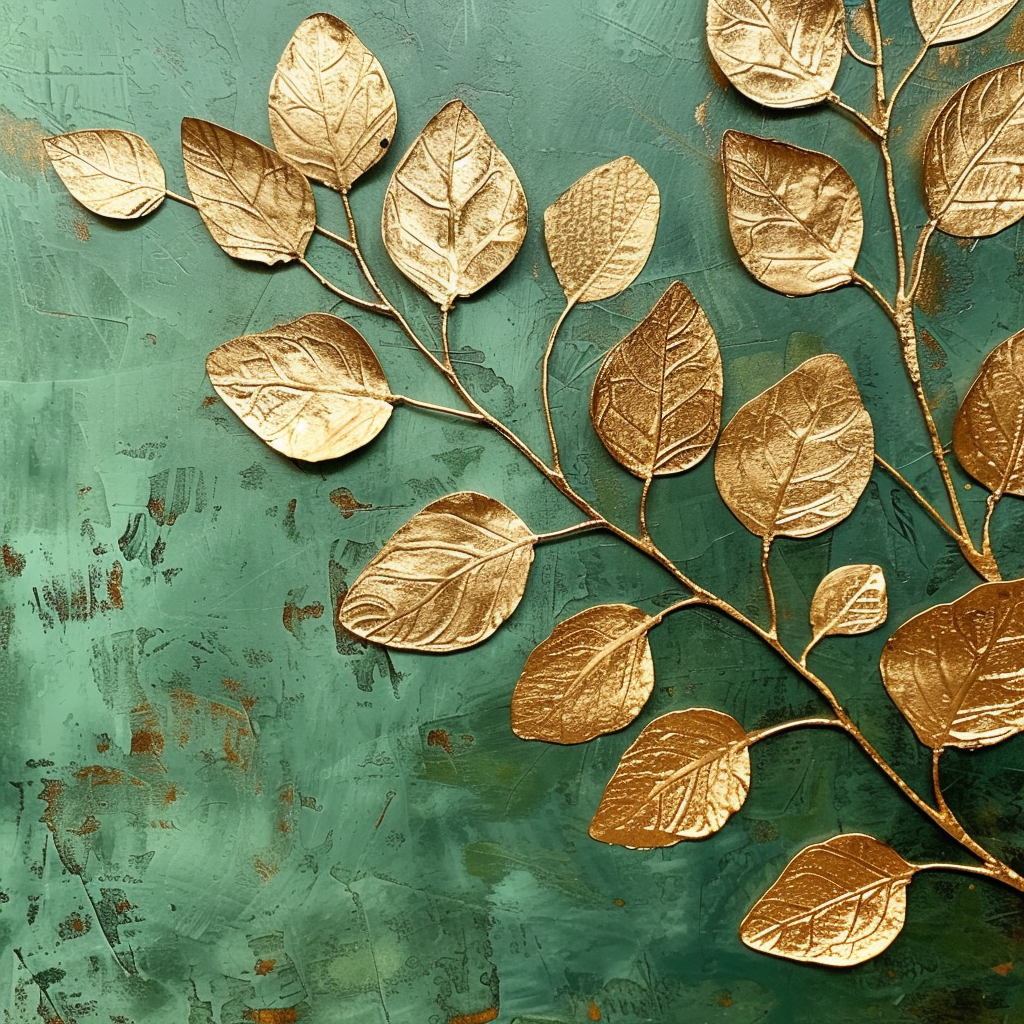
455	212
685	775
794	215
837	903
112	173
446	580
657	399
849	600
782	53
600	231
793	461
591	676
256	205
956	671
332	111
949	21
312	389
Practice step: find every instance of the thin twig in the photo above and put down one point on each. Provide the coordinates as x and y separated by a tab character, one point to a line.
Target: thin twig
444	339
797	723
773	615
917	265
876	32
463	413
898	88
545	386
990	507
184	200
834	99
940	800
372	307
643	507
345	243
967	869
917	496
855	55
568	531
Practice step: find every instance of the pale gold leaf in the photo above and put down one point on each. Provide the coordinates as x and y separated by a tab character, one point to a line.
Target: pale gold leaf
332	111
312	389
849	600
657	399
794	215
685	775
837	903
949	21
112	173
794	461
455	212
446	580
591	676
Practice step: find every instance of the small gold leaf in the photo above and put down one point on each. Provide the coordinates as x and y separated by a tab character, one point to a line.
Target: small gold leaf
657	399
312	389
446	580
593	675
455	212
256	205
112	173
685	775
601	230
785	53
837	903
949	21
794	215
794	461
849	600
332	111
956	671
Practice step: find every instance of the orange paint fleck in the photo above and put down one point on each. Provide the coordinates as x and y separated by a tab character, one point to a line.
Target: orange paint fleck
231	685
285	1015
171	795
264	870
440	738
102	747
725	998
293	614
284	826
114	580
619	902
1004	969
346	502
81	229
100	776
264	966
483	1017
593	1011
14	564
288	795
156	508
935	280
210	400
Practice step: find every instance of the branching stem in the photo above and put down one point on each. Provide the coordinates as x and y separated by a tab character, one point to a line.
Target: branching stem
916	495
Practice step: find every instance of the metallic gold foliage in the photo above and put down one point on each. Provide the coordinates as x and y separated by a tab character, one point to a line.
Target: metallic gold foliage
949	21
849	600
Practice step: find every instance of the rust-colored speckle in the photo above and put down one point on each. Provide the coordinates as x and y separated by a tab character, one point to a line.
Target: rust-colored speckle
264	871
73	926
619	902
264	966
724	998
210	400
88	826
156	508
171	795
1004	969
593	1011
288	795
21	146
100	776
284	1015
284	825
346	502
483	1017
700	112
231	685
293	614
14	564
950	55
1015	40
935	280
439	738
81	229
103	746
114	580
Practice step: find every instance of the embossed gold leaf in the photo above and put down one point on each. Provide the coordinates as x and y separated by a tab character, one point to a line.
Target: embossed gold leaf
837	903
111	172
591	676
782	53
454	213
794	461
956	671
256	205
657	399
600	231
446	580
332	111
795	216
849	600
949	21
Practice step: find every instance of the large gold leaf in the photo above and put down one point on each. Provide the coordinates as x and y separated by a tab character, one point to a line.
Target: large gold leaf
591	676
782	53
455	212
332	111
685	775
837	903
256	205
446	580
794	460
956	671
849	600
949	21
112	173
794	215
600	231
657	399
312	389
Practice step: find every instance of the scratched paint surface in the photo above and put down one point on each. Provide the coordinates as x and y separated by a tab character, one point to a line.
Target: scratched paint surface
215	809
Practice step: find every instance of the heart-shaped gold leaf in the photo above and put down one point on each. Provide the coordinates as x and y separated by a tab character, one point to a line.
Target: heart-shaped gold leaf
849	600
949	21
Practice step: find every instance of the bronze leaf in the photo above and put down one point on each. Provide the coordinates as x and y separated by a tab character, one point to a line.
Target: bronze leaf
849	600
949	21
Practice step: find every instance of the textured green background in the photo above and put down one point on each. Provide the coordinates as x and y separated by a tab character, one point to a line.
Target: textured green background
480	886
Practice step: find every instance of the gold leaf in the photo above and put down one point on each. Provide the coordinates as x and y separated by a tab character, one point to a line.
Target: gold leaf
112	173
949	21
685	775
332	111
600	231
446	580
956	671
312	389
794	461
837	903
849	600
794	215
591	676
256	205
455	212
785	53
657	399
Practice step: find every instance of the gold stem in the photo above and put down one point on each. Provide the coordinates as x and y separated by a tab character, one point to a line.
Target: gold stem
882	301
568	531
917	496
917	267
855	55
444	338
894	213
797	723
184	200
373	307
875	130
967	869
990	507
876	32
773	615
345	243
545	387
940	800
464	414
643	507
901	83
686	602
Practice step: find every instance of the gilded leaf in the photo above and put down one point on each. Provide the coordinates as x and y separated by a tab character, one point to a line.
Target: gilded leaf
794	215
837	903
593	675
112	173
657	399
600	231
446	580
794	461
685	775
455	212
949	21
849	600
312	389
256	205
956	671
332	111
